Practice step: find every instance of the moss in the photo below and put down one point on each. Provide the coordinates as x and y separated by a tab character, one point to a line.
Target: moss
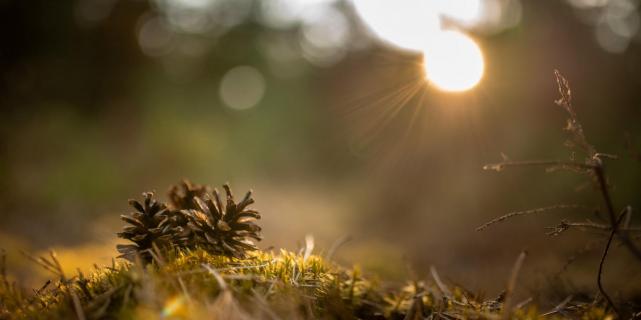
192	284
212	269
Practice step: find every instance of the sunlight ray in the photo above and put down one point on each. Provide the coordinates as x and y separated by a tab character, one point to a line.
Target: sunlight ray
390	113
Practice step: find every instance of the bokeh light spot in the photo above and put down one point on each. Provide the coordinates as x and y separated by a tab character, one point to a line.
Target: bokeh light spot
324	36
406	24
468	12
242	87
154	37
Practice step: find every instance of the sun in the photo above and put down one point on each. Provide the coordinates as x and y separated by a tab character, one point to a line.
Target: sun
453	62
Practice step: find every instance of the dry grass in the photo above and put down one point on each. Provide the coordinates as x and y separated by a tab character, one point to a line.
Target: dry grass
284	285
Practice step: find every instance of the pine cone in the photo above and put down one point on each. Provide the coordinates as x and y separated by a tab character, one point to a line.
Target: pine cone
227	230
148	225
181	197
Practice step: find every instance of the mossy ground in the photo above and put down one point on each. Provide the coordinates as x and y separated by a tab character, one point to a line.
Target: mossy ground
198	285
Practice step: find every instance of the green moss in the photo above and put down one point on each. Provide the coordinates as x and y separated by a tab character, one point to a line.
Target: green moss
195	284
181	267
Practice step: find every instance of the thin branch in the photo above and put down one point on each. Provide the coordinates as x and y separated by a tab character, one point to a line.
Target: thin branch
593	225
558	229
605	192
558	307
573	124
522	304
526	212
538	163
588	224
594	160
627	220
605	254
596	167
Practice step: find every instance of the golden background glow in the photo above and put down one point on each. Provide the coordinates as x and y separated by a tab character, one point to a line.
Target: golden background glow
453	61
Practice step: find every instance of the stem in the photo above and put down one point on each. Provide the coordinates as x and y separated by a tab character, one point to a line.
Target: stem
507	303
526	212
602	263
603	186
537	163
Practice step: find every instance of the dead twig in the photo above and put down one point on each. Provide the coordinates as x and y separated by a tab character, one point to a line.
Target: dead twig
550	164
593	165
605	192
566	225
592	225
595	160
574	127
602	263
558	307
522	304
527	212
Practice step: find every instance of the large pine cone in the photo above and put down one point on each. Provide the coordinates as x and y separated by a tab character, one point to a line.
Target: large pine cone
224	229
148	225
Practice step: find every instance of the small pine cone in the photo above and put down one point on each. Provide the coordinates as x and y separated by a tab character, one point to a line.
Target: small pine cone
181	197
148	225
177	222
224	229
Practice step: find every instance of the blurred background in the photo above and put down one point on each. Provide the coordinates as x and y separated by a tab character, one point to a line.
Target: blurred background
367	119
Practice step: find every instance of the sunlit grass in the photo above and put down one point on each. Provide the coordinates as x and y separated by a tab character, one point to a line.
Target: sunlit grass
196	284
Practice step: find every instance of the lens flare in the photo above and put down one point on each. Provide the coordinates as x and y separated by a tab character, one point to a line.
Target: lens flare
453	62
467	12
172	306
405	24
